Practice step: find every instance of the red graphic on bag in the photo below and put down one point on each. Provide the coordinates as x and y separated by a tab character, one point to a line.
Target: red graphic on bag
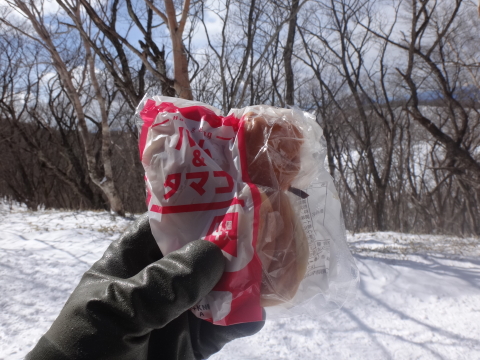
197	190
223	232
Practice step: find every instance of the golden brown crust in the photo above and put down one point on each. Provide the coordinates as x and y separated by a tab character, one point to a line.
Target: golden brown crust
283	249
273	151
273	157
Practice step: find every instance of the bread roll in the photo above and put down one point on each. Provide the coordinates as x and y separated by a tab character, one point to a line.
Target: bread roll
273	158
282	247
273	151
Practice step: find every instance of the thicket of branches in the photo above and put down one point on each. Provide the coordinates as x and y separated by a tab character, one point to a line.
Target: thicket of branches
394	85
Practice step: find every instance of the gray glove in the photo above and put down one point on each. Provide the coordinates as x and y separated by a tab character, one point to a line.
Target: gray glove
134	304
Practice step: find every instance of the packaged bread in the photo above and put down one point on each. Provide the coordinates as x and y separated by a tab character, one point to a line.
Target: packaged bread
254	183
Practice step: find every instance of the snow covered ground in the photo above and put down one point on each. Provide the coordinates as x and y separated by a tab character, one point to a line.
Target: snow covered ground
419	296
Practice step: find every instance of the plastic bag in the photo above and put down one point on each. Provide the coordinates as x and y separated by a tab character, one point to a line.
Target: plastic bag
254	183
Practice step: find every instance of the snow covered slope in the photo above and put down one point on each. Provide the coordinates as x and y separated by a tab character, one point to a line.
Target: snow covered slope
419	296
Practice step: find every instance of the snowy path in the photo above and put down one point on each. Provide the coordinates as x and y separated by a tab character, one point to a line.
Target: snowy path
419	295
402	312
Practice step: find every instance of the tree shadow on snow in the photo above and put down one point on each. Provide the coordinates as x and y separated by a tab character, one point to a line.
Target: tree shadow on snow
450	338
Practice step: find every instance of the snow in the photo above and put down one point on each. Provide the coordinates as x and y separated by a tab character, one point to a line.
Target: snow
419	296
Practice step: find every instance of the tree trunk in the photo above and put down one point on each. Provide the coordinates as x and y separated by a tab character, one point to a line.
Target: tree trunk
380	209
105	184
287	55
180	67
181	80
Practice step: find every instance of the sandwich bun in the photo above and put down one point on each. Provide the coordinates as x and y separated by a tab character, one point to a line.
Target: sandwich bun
273	157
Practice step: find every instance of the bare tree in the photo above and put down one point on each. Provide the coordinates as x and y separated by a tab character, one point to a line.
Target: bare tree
101	177
288	52
432	50
180	59
43	156
334	37
397	96
247	46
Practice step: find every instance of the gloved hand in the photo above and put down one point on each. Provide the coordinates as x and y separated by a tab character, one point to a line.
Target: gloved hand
134	304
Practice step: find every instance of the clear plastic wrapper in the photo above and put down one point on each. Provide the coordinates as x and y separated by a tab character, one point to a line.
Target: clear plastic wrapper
254	183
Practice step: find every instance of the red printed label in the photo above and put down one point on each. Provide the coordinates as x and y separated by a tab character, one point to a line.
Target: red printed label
198	190
198	186
223	232
172	181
